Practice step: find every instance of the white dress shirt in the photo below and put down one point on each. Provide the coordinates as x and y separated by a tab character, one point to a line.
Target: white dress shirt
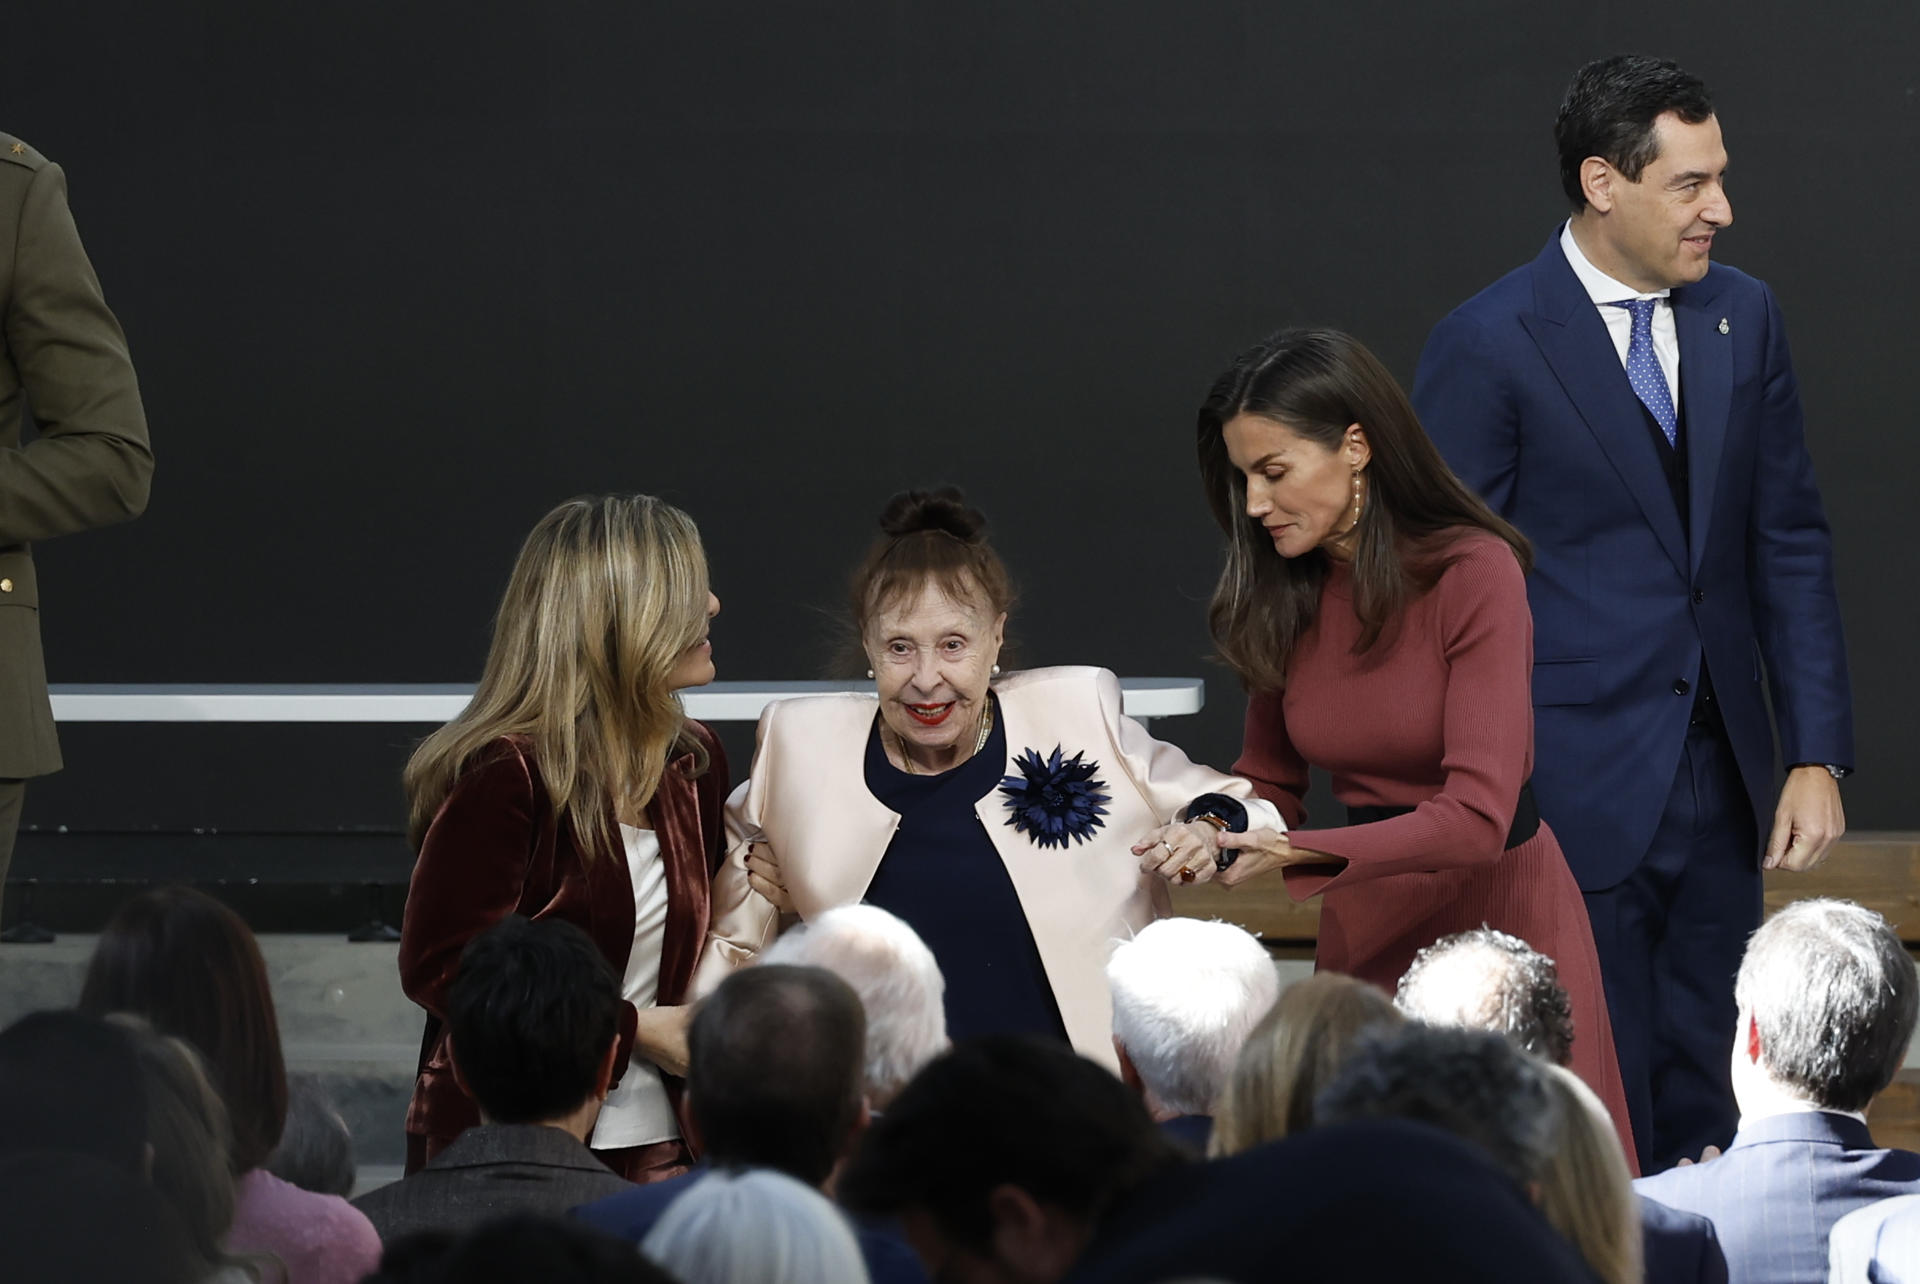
1605	292
637	1113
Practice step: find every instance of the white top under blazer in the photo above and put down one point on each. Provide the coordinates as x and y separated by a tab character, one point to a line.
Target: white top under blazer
638	1113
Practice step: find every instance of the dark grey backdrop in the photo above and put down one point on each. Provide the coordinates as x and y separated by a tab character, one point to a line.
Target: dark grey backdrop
399	276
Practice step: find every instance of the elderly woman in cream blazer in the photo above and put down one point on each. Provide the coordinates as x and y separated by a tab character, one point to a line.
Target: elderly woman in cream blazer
1020	824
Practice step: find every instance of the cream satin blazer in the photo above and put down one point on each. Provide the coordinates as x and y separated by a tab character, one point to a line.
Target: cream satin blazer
807	801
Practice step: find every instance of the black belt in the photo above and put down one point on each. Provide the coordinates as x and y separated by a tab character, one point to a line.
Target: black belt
1526	816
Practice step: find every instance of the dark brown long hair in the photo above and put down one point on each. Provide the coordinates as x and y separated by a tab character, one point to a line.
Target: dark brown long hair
189	965
1318	383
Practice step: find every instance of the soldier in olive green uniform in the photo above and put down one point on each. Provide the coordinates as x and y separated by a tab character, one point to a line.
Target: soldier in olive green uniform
63	360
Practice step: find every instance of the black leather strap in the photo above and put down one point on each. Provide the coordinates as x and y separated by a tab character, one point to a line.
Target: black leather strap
1526	816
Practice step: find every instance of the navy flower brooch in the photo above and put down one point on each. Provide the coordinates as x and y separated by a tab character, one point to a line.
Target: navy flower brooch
1055	802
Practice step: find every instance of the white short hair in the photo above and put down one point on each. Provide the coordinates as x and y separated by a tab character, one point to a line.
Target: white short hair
754	1225
1185	995
896	977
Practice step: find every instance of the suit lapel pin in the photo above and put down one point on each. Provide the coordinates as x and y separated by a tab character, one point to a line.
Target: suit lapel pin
1724	327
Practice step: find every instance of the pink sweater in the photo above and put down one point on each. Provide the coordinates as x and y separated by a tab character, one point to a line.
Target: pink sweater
322	1239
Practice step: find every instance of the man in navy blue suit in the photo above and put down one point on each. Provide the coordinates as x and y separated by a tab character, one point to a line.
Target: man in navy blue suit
1632	407
1827	1002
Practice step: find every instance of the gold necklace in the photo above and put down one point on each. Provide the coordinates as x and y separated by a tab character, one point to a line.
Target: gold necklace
979	742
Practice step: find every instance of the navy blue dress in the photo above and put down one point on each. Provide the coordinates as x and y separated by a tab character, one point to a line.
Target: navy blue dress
943	876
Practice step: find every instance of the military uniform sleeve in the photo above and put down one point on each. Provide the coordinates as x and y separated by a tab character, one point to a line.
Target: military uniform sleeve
91	464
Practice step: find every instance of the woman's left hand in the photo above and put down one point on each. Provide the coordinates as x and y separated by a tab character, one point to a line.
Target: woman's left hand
763	875
1184	853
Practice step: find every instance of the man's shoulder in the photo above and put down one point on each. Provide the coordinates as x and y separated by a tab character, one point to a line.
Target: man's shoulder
459	1197
17	152
889	1258
1692	1187
408	1204
631	1213
1679	1245
1506	296
384	1199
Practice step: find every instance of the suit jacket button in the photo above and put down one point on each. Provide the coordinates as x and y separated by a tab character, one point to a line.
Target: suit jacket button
6	586
1680	686
1699	596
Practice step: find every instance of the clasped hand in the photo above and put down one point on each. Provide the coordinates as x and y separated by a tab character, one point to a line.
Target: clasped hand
661	1037
763	875
1188	853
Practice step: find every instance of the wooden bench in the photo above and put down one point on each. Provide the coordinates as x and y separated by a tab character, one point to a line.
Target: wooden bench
1880	870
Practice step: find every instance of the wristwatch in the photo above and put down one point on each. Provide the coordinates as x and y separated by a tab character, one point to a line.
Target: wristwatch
1838	773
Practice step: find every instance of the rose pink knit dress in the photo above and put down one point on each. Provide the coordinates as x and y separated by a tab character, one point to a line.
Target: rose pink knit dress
1438	716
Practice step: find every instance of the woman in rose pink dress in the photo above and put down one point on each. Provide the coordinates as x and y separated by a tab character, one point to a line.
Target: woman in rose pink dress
1377	610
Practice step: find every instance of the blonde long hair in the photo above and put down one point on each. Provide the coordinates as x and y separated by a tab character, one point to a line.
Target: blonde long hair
1586	1192
608	593
1290	1055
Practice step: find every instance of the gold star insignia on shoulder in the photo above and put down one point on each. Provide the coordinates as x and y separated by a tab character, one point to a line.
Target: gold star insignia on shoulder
19	149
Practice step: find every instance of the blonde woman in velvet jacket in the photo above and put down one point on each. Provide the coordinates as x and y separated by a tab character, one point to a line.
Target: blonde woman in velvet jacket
1022	825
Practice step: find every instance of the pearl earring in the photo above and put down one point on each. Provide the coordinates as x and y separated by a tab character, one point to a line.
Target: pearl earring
996	670
869	673
1356	495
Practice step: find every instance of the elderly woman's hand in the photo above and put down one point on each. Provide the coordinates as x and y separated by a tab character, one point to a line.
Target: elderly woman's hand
763	873
1182	853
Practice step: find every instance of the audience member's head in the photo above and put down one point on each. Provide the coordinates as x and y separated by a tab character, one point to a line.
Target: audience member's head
1000	1157
1488	980
189	965
1827	1000
1586	1190
316	1147
413	1258
1292	1053
512	1249
533	1021
775	1058
896	977
1185	995
758	1225
67	1217
72	1082
188	1140
1471	1083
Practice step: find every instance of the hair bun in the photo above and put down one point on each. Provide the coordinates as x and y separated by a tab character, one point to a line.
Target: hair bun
945	509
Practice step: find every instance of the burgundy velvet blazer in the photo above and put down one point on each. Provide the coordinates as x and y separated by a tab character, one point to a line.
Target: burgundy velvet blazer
496	848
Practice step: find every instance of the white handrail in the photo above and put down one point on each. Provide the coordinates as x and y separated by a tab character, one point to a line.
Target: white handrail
433	703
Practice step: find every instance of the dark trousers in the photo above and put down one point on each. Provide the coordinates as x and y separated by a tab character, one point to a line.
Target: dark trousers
1670	939
13	796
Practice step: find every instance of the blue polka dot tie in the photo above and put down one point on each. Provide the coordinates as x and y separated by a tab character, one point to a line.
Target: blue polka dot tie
1643	369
